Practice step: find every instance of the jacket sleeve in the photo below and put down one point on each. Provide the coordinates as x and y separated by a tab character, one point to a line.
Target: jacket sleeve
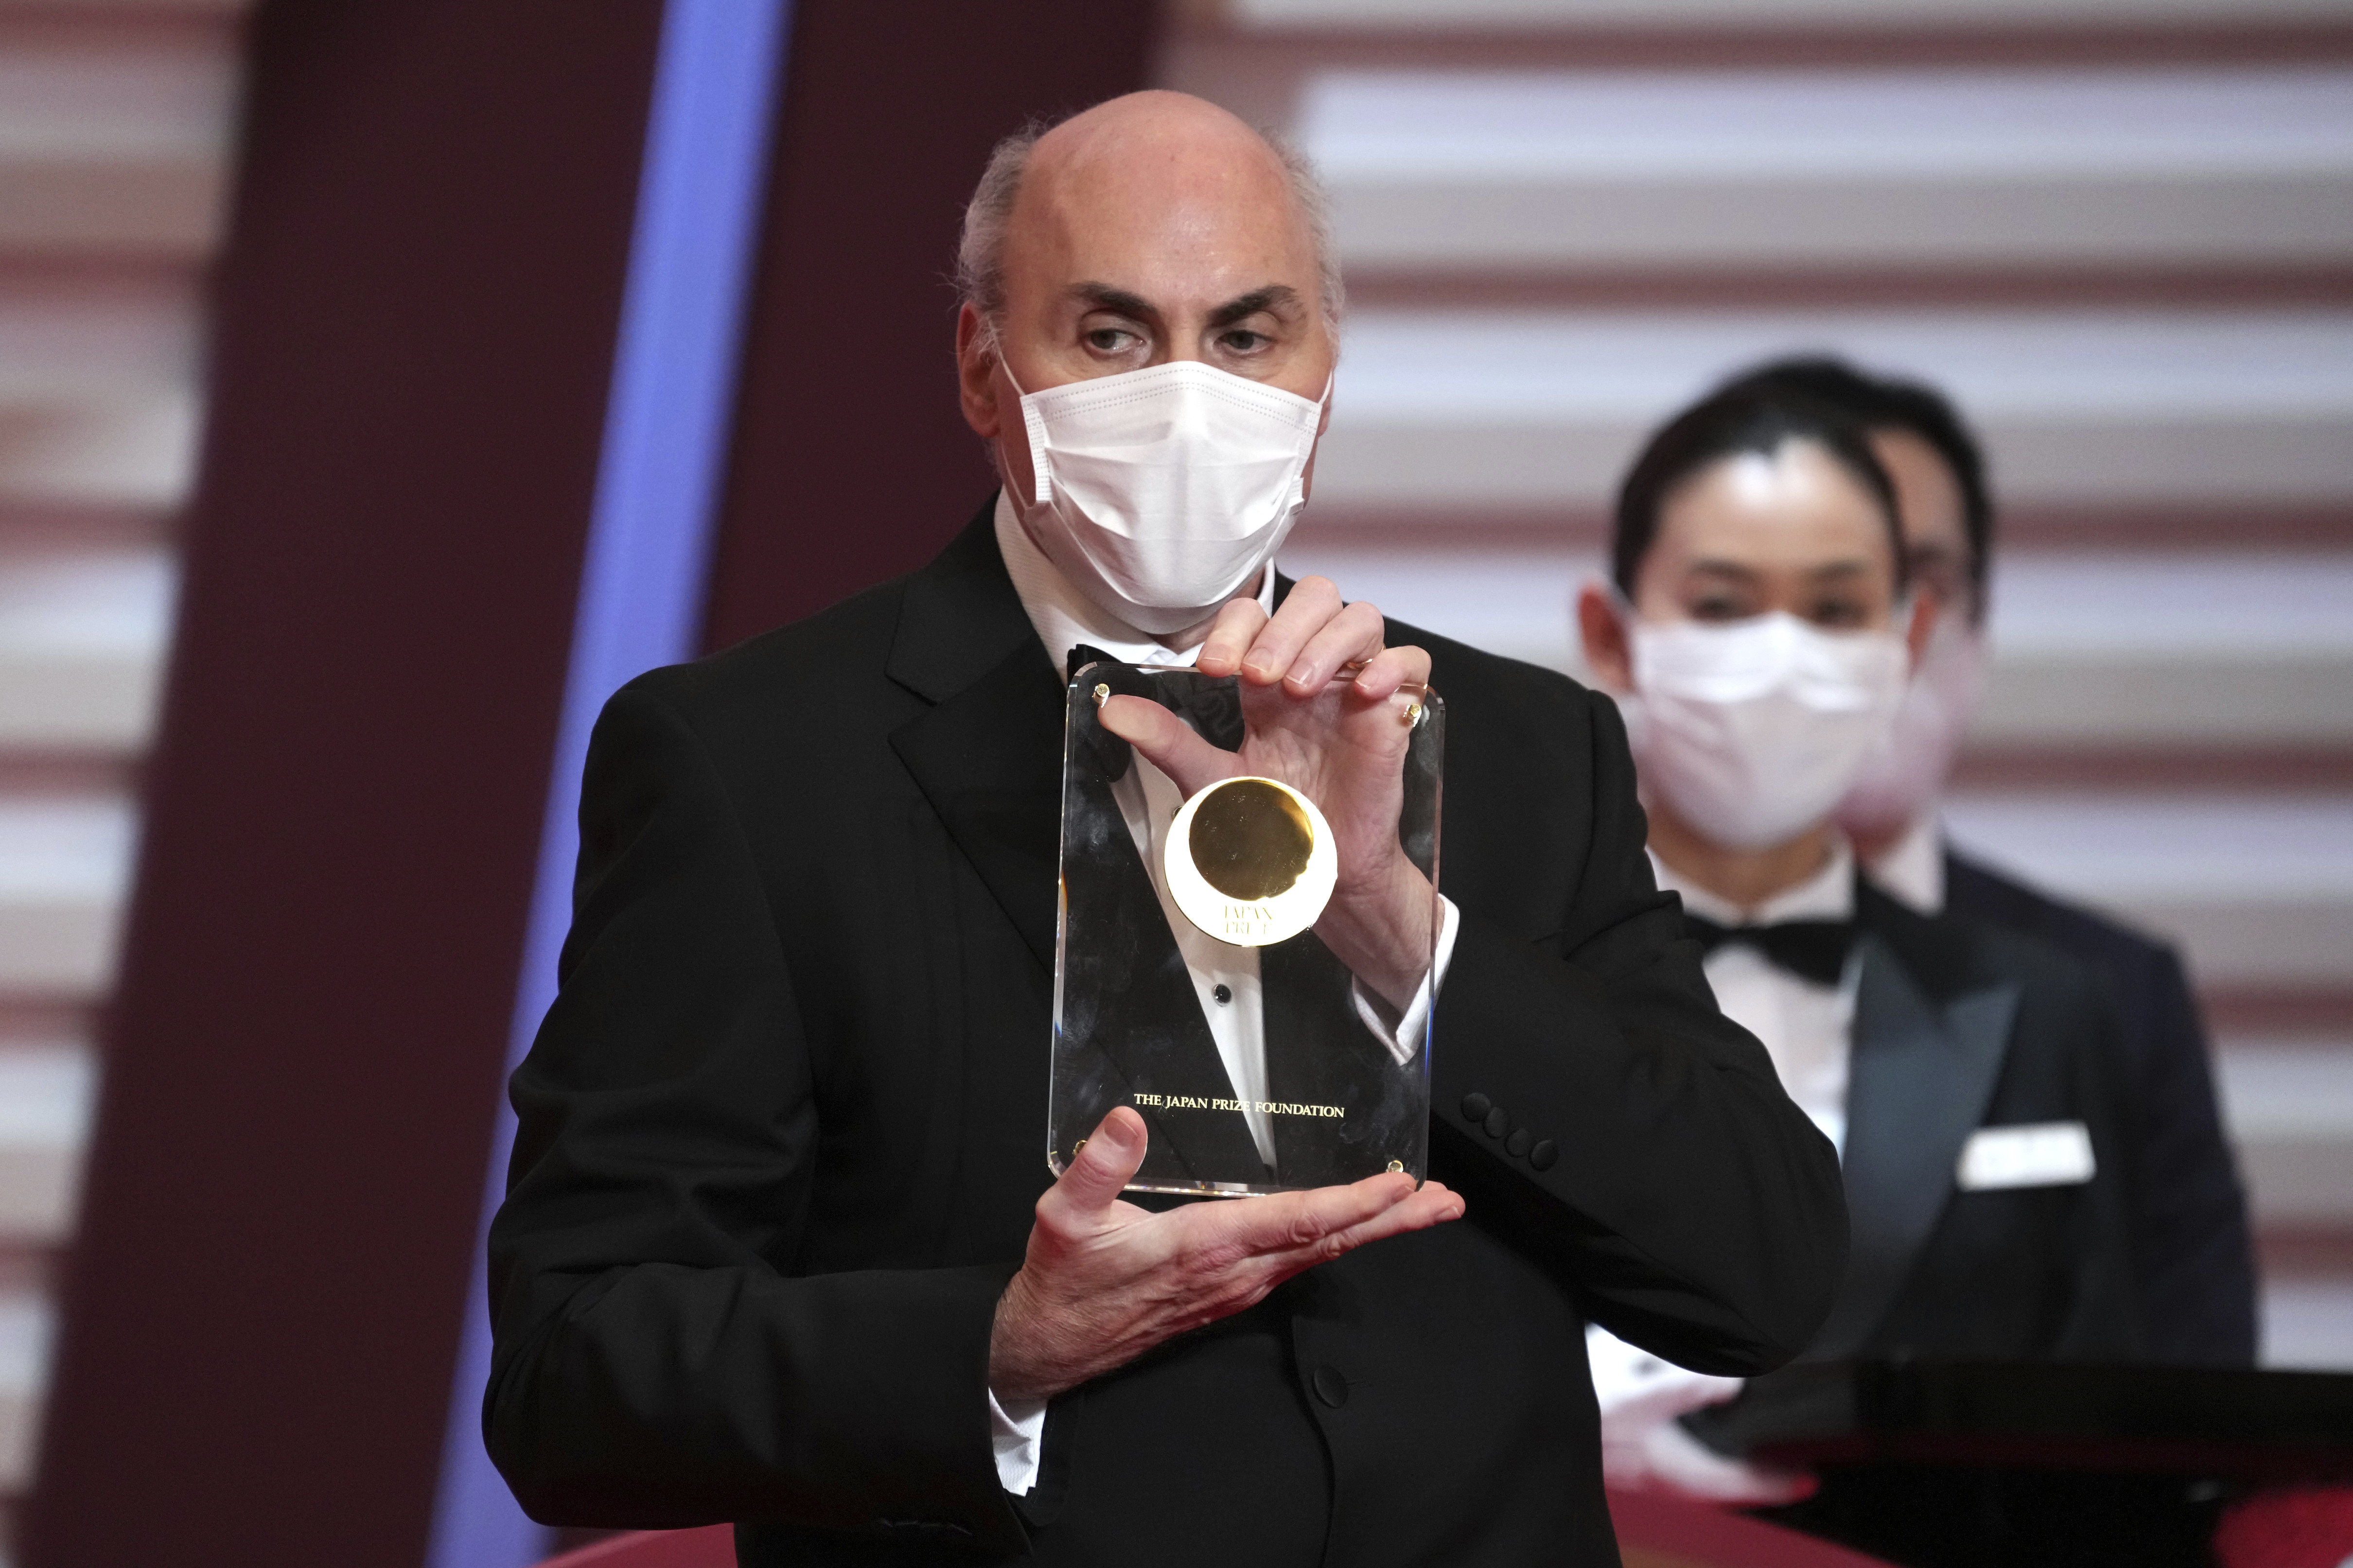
1603	1113
2196	1259
2102	1320
658	1363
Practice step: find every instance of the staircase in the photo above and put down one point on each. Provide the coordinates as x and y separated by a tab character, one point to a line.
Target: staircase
115	124
2120	231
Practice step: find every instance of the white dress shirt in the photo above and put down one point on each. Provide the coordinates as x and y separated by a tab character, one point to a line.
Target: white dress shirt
1148	799
1802	1024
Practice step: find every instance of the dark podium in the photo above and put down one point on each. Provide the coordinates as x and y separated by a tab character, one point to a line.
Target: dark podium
1958	1464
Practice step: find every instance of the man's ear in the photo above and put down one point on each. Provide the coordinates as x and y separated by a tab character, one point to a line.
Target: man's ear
1601	621
976	350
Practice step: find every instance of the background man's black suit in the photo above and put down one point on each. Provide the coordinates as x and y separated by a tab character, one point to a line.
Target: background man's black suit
1959	1025
782	1132
2193	1260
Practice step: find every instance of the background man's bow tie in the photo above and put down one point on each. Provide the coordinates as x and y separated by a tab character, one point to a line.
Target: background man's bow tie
1813	950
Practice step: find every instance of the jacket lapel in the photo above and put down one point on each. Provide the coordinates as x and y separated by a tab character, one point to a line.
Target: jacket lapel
1922	1071
989	758
988	754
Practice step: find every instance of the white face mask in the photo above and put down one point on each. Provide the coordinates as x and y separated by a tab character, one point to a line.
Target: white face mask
1906	770
1751	731
1162	492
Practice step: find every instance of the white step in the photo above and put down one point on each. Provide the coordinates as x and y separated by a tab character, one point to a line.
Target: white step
1443	415
2204	649
1942	168
2289	1106
2185	649
133	452
114	143
2308	1324
97	408
45	1100
83	633
64	866
99	392
2256	889
28	1325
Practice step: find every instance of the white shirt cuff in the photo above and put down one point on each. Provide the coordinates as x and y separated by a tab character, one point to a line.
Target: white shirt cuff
1403	1034
1623	1374
1016	1432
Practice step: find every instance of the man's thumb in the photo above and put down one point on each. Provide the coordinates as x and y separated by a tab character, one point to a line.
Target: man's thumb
1107	1160
1166	742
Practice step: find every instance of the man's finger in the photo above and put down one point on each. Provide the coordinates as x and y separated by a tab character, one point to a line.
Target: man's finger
1229	637
1433	1205
1287	1220
1391	668
1352	637
1105	1164
1312	602
1166	742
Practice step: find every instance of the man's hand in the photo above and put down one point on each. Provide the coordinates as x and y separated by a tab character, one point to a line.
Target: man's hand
1104	1281
1341	744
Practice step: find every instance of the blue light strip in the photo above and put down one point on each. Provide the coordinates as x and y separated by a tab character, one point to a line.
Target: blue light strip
642	582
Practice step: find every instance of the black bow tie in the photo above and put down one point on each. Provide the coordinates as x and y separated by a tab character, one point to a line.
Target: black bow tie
1812	950
1214	706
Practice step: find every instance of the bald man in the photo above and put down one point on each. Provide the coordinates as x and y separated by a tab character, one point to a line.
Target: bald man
780	1246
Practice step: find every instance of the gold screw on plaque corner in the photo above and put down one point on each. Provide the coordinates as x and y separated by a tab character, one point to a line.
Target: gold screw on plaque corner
1102	694
1396	1165
1411	715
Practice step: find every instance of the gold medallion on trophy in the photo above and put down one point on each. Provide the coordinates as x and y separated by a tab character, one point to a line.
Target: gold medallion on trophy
1250	861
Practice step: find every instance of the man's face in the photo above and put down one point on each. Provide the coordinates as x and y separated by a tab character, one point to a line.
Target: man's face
1935	536
1754	533
1751	534
1150	230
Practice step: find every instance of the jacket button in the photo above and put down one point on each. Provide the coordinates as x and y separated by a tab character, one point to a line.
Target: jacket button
1543	1154
1475	1107
1331	1387
1518	1144
1497	1122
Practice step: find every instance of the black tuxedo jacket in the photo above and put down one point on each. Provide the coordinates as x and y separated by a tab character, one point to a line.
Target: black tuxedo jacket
1960	1025
2193	1260
783	1129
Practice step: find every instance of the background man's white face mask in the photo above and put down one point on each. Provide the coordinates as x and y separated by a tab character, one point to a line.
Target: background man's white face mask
1751	731
1161	492
1906	770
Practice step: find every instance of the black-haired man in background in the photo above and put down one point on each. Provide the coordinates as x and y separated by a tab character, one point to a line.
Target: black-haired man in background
2190	1238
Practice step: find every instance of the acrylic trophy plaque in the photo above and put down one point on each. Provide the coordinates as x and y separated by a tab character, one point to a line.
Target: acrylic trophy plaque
1190	982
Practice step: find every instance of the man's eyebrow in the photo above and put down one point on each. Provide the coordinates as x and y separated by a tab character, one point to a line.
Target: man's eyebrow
1103	296
1242	306
1725	569
1841	569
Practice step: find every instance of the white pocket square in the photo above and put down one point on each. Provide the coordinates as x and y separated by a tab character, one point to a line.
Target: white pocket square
2035	1154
